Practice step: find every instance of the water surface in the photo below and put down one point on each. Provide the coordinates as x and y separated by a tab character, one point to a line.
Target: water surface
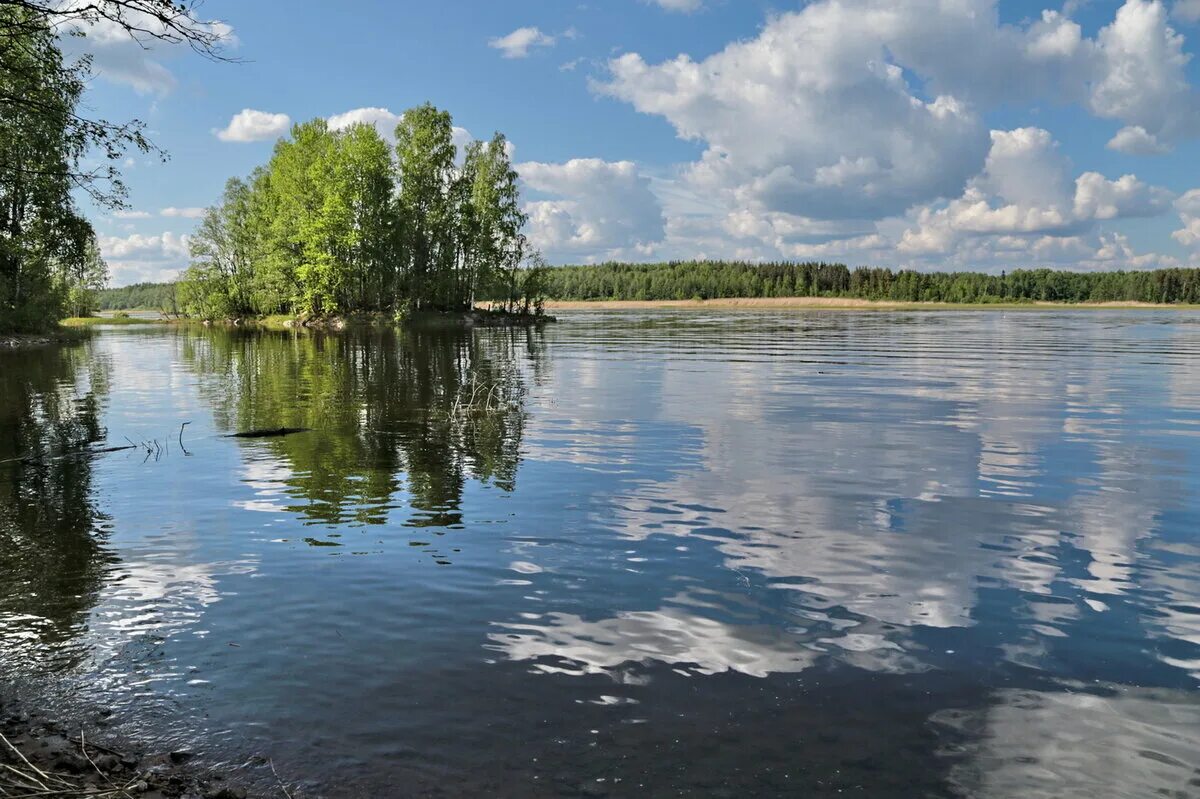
825	553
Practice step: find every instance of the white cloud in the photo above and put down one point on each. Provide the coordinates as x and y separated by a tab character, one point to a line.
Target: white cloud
1023	208
1024	189
860	109
809	118
853	128
601	209
132	214
1188	207
686	6
118	57
381	119
518	43
140	247
182	213
385	122
1142	79
137	258
250	125
1098	198
1135	140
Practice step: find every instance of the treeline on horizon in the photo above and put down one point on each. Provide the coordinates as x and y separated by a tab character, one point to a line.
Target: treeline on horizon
687	280
141	296
341	222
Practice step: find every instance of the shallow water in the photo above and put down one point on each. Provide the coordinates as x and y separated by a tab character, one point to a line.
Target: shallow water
881	554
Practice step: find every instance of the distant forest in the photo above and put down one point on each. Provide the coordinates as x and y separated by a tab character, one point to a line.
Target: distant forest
149	296
687	280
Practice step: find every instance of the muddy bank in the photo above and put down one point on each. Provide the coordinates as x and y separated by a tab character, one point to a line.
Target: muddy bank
43	758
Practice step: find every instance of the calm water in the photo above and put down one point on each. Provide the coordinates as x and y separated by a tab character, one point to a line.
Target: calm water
887	555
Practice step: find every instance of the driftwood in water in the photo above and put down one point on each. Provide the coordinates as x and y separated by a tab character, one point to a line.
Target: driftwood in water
274	433
102	451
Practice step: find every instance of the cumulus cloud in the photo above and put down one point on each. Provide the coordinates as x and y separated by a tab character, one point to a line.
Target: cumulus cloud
809	118
1188	206
518	43
123	214
1098	198
1135	140
1025	188
1141	78
860	109
600	209
137	258
251	125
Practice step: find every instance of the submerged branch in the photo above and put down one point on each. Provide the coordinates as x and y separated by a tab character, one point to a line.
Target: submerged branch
274	433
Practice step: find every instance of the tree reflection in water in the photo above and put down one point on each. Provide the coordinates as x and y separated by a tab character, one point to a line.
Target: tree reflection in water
52	540
415	413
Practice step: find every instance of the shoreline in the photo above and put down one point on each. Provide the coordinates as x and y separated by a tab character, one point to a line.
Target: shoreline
43	757
20	341
845	304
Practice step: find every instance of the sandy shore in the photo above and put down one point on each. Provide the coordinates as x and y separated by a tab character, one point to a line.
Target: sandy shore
832	303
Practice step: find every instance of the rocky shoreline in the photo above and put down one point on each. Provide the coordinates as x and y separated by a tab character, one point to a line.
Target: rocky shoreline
42	758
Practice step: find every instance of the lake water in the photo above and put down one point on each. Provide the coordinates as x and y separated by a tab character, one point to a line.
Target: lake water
812	554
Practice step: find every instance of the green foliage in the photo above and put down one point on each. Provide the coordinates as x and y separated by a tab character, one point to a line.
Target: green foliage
82	280
338	223
47	253
139	296
493	246
522	290
222	249
427	201
680	280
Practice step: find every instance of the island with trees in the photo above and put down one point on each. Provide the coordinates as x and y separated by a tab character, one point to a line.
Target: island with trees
340	224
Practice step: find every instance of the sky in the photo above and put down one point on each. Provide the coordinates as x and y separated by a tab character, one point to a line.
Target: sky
926	134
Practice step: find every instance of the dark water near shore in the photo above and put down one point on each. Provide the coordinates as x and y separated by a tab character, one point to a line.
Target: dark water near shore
875	554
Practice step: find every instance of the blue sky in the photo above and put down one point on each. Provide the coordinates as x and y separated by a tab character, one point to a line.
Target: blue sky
935	134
